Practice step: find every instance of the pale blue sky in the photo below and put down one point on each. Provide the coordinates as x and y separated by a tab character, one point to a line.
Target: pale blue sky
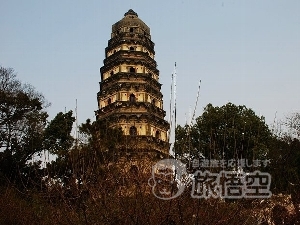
245	52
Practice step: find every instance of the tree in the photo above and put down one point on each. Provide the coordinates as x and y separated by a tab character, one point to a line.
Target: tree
227	132
89	157
58	139
22	121
285	158
101	140
293	125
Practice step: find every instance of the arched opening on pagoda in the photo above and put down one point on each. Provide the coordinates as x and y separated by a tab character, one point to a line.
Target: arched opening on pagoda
133	131
109	101
132	70
153	101
112	73
131	30
131	48
157	134
132	98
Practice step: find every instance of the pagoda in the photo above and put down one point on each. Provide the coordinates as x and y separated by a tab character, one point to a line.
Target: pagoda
130	95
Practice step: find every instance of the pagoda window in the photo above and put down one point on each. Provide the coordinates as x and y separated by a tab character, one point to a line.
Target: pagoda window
112	73
131	30
157	134
133	131
153	101
132	70
131	48
132	98
108	101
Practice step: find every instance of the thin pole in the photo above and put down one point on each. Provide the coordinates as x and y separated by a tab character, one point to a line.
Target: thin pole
191	121
198	94
171	113
175	109
76	129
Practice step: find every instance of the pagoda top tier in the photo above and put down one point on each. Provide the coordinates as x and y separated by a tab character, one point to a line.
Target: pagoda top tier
131	19
131	13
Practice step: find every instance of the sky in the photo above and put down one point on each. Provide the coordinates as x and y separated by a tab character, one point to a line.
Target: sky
244	52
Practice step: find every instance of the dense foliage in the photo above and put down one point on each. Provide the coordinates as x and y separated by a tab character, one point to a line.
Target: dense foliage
22	122
227	132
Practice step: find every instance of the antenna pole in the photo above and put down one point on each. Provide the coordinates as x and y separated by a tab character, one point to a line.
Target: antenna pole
171	113
175	108
194	113
76	129
191	121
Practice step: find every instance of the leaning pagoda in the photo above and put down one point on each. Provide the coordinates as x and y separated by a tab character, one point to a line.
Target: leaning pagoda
130	93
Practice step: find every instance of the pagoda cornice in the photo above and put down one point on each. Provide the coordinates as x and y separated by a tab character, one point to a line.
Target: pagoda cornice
129	42
129	54
122	106
146	143
122	76
116	118
127	87
129	61
125	37
138	87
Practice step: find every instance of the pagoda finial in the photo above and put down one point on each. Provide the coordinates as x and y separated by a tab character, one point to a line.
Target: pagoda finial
131	12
